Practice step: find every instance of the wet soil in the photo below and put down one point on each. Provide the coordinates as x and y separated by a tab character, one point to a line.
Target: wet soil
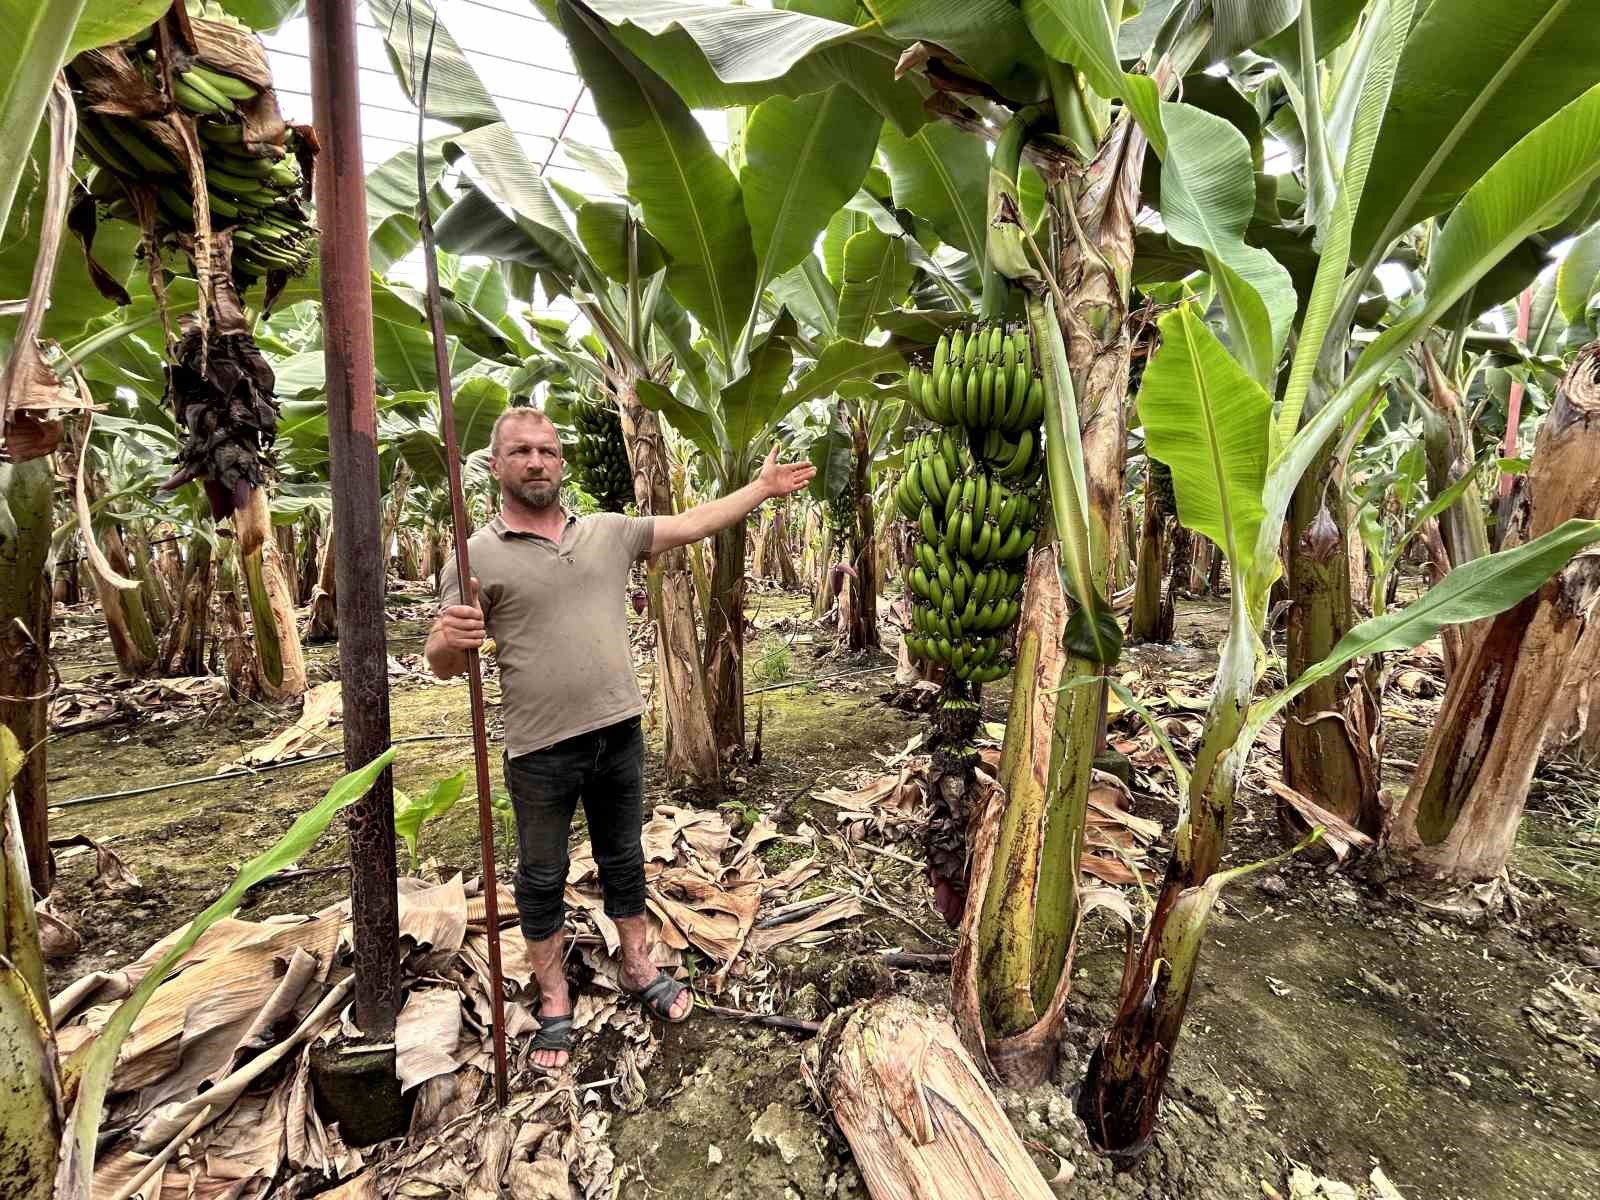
1332	1025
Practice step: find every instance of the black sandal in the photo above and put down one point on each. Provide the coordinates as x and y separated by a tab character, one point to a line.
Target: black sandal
555	1033
660	994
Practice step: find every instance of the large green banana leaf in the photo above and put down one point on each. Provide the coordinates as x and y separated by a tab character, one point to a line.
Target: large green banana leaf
877	274
690	199
264	14
1578	278
989	36
1530	188
942	175
1475	77
1208	195
1207	420
1473	591
840	363
803	159
755	401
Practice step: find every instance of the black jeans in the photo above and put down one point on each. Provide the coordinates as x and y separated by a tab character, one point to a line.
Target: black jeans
604	769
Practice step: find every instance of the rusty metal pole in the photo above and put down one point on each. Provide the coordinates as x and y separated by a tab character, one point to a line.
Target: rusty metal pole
353	448
460	531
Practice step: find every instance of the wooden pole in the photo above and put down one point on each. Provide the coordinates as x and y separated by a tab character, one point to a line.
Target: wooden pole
461	532
353	448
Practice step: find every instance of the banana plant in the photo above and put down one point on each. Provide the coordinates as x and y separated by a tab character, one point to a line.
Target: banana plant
1506	181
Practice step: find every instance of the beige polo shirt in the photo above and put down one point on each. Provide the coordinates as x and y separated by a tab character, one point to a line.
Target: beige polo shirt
558	617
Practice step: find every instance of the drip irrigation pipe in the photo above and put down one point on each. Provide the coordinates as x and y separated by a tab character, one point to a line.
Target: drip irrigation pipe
242	772
417	737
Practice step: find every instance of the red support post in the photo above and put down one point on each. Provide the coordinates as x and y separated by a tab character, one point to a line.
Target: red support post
360	565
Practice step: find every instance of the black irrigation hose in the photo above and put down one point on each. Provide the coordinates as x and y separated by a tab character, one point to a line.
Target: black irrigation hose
243	772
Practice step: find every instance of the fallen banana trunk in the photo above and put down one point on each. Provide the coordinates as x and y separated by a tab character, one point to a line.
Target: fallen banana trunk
921	1121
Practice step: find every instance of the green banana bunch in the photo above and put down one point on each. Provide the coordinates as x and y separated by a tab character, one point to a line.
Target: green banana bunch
254	188
970	489
600	456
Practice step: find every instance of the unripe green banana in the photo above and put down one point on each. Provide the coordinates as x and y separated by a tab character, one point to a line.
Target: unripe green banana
192	100
221	83
1033	410
1019	461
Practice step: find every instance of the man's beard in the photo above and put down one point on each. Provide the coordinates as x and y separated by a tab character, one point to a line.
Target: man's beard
538	494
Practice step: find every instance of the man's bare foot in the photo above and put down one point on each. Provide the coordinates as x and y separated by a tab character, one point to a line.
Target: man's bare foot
639	973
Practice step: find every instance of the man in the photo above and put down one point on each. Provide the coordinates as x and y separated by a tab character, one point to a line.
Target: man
549	588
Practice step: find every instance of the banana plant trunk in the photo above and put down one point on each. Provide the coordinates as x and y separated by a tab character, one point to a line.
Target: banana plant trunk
1182	556
1014	970
779	556
282	674
239	660
1152	613
324	625
1127	1074
127	624
1199	581
1327	734
305	581
861	632
1572	717
821	583
724	648
184	651
1458	822
760	562
157	603
691	747
26	597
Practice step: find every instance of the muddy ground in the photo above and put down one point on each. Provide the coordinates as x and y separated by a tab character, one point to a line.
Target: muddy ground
1332	1026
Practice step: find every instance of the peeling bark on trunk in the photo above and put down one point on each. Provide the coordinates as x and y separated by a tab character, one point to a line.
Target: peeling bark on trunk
1199	581
1459	821
724	648
1450	637
921	1121
26	596
691	748
184	652
157	601
1178	571
1327	749
779	559
822	598
238	656
1578	700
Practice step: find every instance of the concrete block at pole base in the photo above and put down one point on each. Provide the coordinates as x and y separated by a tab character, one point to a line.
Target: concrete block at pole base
356	1085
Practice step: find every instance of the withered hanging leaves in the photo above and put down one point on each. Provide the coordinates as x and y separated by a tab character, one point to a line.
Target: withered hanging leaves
228	414
81	219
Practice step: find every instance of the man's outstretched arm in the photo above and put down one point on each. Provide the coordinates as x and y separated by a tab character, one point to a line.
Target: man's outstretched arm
776	479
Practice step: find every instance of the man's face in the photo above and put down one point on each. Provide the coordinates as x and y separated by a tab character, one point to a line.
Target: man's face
527	463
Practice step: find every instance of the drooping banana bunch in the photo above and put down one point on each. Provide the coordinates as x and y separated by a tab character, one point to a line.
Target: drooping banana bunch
600	456
138	110
183	127
969	489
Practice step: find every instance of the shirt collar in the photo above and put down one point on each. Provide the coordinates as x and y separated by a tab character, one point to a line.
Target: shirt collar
501	530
